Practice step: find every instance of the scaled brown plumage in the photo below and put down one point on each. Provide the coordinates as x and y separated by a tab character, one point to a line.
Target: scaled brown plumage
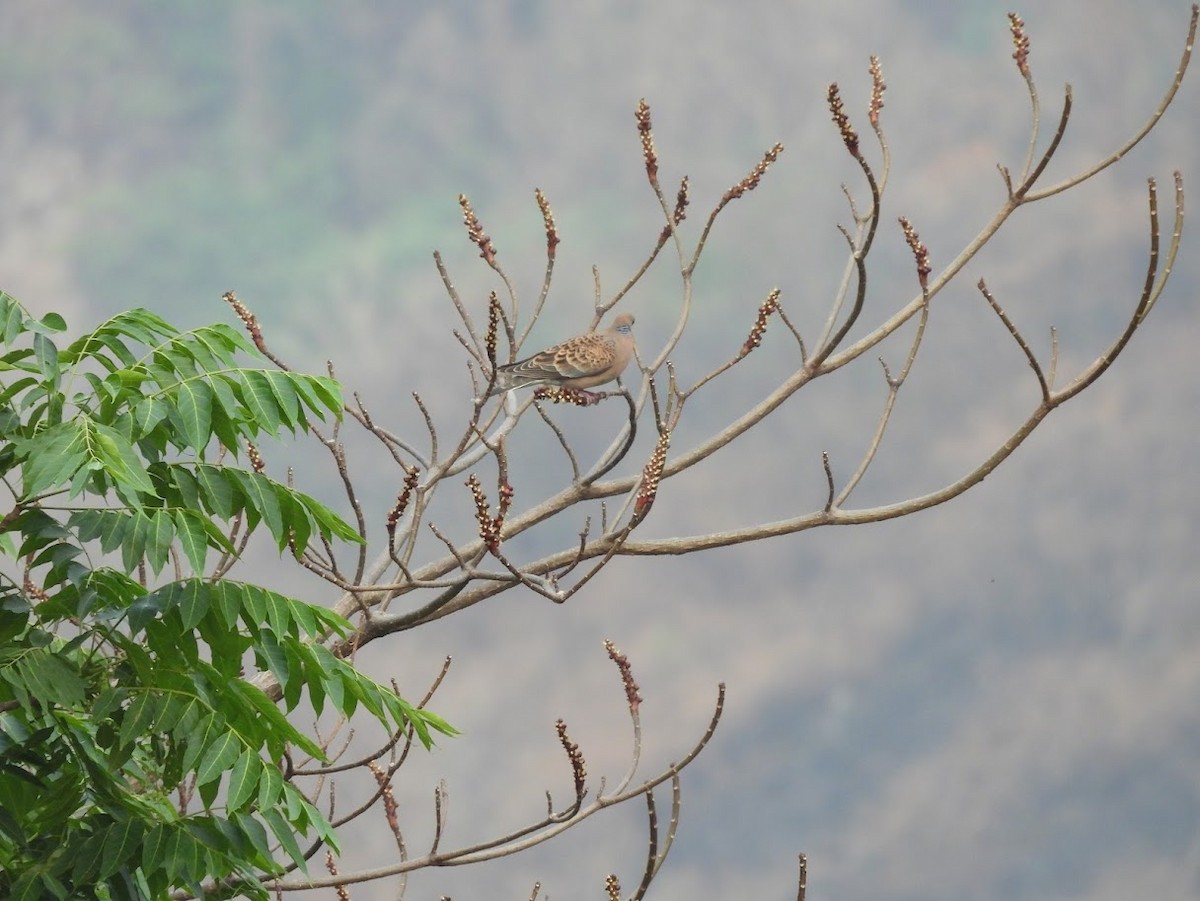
579	363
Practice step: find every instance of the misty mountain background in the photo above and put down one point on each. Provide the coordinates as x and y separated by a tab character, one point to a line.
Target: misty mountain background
994	699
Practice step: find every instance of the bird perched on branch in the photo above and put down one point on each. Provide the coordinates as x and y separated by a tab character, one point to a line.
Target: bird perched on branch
577	363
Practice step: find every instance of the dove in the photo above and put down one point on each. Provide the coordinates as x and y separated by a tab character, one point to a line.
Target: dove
580	362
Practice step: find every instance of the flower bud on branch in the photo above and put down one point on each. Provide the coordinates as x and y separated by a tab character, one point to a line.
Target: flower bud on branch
578	765
489	342
256	461
650	478
249	320
681	202
768	306
842	121
644	129
475	231
750	182
877	89
386	795
1020	43
920	252
402	499
490	526
632	694
548	220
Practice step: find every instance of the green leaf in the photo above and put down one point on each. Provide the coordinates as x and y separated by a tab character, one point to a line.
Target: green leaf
257	834
216	489
334	686
321	395
13	316
279	613
226	398
243	780
219	756
183	856
286	398
133	548
301	524
205	730
302	812
262	502
120	844
192	598
193	406
328	621
120	461
46	354
49	678
12	391
142	713
282	731
52	456
110	526
175	708
434	722
121	355
139	324
37	885
254	606
152	844
303	616
208	347
228	596
53	322
208	792
85	858
175	360
143	611
142	884
193	538
148	413
276	658
330	524
270	786
186	488
260	400
287	838
158	539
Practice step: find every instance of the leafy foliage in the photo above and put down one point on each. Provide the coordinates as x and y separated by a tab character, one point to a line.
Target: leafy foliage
133	758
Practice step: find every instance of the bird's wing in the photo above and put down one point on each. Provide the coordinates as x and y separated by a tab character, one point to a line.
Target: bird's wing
584	356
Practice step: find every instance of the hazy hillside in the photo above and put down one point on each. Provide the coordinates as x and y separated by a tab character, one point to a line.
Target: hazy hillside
993	700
